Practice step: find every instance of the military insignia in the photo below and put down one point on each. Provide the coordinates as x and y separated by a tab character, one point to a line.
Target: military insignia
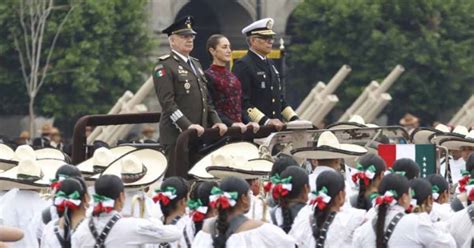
188	23
180	67
181	71
262	84
160	73
187	86
164	57
270	24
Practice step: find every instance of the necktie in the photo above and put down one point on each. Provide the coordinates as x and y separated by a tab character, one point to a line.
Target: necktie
192	67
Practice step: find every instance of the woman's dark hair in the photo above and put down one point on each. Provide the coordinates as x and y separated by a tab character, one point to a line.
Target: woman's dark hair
366	161
202	191
283	162
68	170
400	185
421	189
334	183
438	181
69	186
109	186
470	163
299	178
182	189
212	42
228	184
408	166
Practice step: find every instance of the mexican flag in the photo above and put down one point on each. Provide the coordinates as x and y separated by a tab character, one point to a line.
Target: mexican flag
424	155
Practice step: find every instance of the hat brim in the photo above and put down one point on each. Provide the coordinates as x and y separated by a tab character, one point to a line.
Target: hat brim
87	167
456	143
9	179
7	164
345	125
154	161
263	32
255	168
185	31
328	152
436	138
245	149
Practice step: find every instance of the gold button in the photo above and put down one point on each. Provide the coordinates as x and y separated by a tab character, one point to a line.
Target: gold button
274	113
273	99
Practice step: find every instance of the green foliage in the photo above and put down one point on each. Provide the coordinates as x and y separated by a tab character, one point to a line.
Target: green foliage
101	52
433	40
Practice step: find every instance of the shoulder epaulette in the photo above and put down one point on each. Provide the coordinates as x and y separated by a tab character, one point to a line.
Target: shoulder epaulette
164	57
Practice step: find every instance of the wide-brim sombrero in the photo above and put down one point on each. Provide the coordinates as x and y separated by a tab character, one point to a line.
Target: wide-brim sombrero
87	167
458	132
6	157
9	179
455	143
328	147
254	168
244	149
154	162
50	153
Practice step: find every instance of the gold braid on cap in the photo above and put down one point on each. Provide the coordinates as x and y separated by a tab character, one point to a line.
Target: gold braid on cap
255	114
288	113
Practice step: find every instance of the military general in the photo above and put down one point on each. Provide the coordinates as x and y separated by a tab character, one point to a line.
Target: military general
263	97
180	85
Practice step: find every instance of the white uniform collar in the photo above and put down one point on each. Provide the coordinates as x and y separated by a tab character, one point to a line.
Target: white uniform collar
181	56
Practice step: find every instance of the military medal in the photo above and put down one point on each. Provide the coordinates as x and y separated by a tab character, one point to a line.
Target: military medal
187	86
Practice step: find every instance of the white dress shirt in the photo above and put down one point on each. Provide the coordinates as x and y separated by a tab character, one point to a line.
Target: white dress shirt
413	230
462	228
266	235
127	232
339	234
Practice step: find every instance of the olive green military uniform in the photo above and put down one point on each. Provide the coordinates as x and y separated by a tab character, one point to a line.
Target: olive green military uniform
183	97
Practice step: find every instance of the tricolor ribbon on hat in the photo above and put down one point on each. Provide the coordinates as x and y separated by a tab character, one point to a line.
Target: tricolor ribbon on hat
63	200
413	202
273	180
165	196
222	199
102	204
199	211
466	176
388	198
364	174
56	182
320	198
281	187
435	192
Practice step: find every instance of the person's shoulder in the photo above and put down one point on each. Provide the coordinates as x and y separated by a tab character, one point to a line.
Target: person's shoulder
164	57
249	225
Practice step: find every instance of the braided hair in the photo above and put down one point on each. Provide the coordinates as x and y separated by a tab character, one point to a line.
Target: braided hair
71	189
367	161
392	182
228	184
330	183
201	193
181	187
298	179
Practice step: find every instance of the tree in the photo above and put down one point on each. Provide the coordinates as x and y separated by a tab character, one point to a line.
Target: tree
433	40
103	50
32	47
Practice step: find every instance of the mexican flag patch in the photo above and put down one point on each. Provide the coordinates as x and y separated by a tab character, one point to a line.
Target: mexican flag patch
160	73
423	154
